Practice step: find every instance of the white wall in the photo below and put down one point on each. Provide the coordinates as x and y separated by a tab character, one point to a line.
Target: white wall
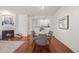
68	37
29	26
34	23
21	24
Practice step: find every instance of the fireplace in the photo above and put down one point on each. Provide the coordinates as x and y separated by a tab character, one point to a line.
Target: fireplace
6	34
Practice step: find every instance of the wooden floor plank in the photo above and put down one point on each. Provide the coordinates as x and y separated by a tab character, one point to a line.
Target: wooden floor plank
38	49
55	46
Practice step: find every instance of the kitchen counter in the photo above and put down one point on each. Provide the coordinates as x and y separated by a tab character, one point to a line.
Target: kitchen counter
9	46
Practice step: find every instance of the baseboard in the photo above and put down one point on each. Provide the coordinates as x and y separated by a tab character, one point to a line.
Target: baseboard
58	47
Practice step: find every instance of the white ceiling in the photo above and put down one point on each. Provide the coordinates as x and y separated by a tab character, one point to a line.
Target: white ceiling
31	10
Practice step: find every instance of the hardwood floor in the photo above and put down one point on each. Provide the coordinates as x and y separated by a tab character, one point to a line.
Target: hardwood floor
27	47
55	46
30	47
38	49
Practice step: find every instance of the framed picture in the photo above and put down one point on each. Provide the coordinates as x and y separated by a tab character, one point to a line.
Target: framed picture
7	20
64	22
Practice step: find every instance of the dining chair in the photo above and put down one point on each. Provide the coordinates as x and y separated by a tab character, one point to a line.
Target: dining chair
42	40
